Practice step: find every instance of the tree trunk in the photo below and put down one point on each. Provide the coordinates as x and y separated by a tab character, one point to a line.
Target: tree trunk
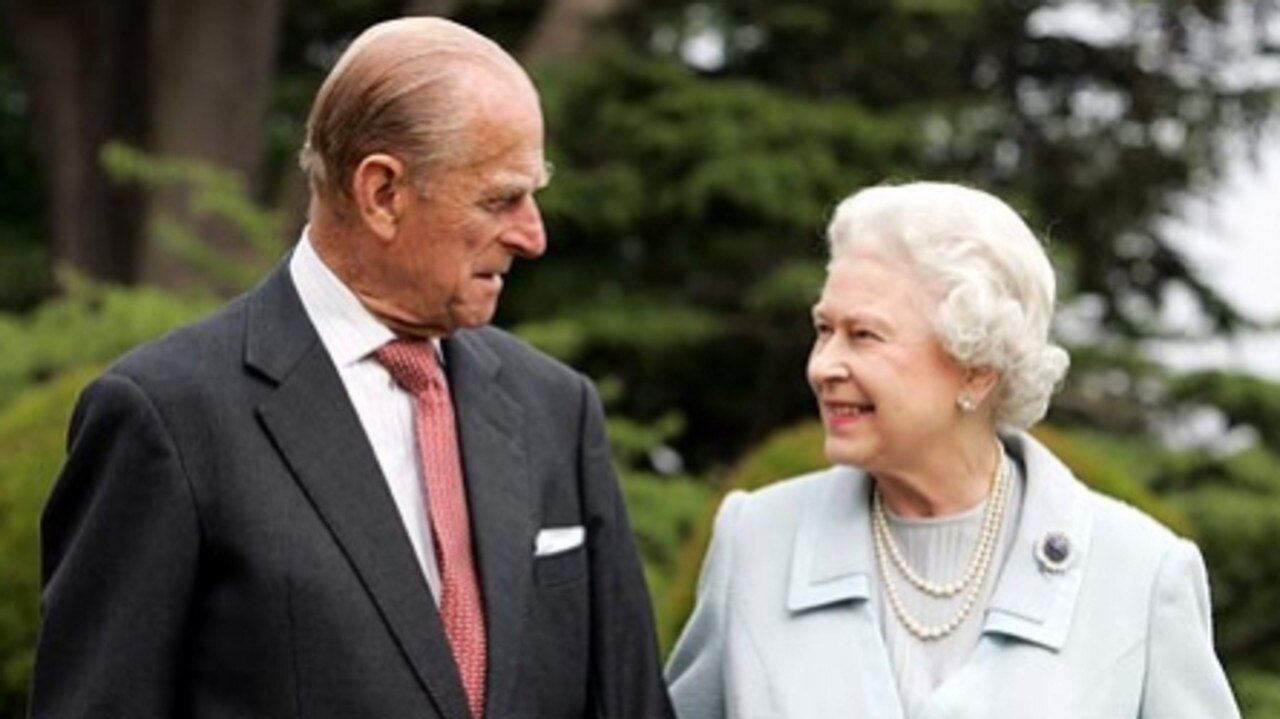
564	30
434	8
213	72
86	68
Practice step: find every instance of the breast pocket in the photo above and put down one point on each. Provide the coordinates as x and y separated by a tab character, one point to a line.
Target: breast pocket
561	568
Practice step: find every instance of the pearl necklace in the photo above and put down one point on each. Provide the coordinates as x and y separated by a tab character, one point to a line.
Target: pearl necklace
970	583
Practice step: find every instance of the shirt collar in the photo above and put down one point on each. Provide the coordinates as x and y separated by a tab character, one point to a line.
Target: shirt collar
349	332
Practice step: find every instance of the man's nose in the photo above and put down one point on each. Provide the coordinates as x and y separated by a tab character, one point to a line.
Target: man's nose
526	238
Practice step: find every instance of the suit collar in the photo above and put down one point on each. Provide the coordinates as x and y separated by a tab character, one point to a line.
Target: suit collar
277	332
832	559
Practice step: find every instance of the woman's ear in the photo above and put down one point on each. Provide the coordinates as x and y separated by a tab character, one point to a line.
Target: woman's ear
980	382
379	186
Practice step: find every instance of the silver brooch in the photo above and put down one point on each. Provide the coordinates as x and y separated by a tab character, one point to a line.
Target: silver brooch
1054	552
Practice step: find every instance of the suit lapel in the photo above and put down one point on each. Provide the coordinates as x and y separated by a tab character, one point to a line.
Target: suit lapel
316	430
495	463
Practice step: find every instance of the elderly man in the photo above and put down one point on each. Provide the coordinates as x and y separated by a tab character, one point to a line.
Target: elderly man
342	495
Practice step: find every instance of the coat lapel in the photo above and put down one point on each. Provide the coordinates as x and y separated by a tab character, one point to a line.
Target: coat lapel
832	565
495	461
1029	602
316	429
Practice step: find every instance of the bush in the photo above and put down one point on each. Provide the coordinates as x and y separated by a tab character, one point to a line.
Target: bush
32	428
49	356
91	324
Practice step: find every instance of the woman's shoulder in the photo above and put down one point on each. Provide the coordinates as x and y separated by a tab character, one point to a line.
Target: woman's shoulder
1127	530
798	490
1116	538
779	505
1115	523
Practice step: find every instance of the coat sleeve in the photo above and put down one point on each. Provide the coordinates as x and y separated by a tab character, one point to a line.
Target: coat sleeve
1184	677
119	544
626	670
695	671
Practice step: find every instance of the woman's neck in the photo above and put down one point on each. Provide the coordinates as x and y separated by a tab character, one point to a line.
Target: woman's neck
954	482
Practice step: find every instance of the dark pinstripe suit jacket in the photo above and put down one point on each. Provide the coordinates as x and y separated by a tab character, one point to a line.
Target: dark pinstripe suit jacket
221	542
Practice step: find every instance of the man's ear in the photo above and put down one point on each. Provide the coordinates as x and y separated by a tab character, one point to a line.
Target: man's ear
379	186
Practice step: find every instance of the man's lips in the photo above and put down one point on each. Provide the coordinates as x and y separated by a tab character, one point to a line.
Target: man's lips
490	277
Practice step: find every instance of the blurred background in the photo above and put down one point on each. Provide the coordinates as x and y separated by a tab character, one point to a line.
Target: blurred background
147	173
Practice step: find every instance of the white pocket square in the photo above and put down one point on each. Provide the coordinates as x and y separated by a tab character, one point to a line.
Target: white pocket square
554	540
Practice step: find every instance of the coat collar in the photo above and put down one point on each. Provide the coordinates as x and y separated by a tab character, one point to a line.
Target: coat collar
832	559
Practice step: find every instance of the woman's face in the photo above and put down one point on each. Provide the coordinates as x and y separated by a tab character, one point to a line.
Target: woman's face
886	389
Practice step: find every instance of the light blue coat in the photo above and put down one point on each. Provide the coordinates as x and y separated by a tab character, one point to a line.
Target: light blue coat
784	624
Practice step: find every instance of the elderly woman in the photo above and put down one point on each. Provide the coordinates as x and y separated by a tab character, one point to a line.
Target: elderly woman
948	566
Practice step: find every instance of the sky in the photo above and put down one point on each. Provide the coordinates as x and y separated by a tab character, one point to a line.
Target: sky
1232	235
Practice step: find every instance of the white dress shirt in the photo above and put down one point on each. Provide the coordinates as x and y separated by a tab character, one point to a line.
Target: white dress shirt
351	334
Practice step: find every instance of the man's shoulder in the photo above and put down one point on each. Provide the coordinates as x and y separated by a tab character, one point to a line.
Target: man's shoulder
193	348
516	354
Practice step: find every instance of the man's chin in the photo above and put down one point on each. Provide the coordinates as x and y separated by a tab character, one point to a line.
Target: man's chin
478	319
456	318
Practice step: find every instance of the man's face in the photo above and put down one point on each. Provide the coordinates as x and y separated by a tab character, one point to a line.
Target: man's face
459	235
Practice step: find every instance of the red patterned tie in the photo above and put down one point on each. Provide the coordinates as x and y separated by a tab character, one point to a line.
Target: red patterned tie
414	367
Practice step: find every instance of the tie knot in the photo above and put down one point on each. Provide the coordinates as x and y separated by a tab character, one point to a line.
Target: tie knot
412	364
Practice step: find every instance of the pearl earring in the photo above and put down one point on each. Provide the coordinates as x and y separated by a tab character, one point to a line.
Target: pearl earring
965	402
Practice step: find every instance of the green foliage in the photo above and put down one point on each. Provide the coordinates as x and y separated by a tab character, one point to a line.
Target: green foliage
686	219
1234	502
49	356
90	325
212	194
1095	139
32	428
1258	692
664	511
24	261
1243	399
24	276
1115	466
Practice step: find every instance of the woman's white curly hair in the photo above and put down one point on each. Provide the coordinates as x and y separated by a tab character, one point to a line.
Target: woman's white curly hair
994	284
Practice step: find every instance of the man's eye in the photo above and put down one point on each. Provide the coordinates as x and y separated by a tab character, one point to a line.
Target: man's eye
503	203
